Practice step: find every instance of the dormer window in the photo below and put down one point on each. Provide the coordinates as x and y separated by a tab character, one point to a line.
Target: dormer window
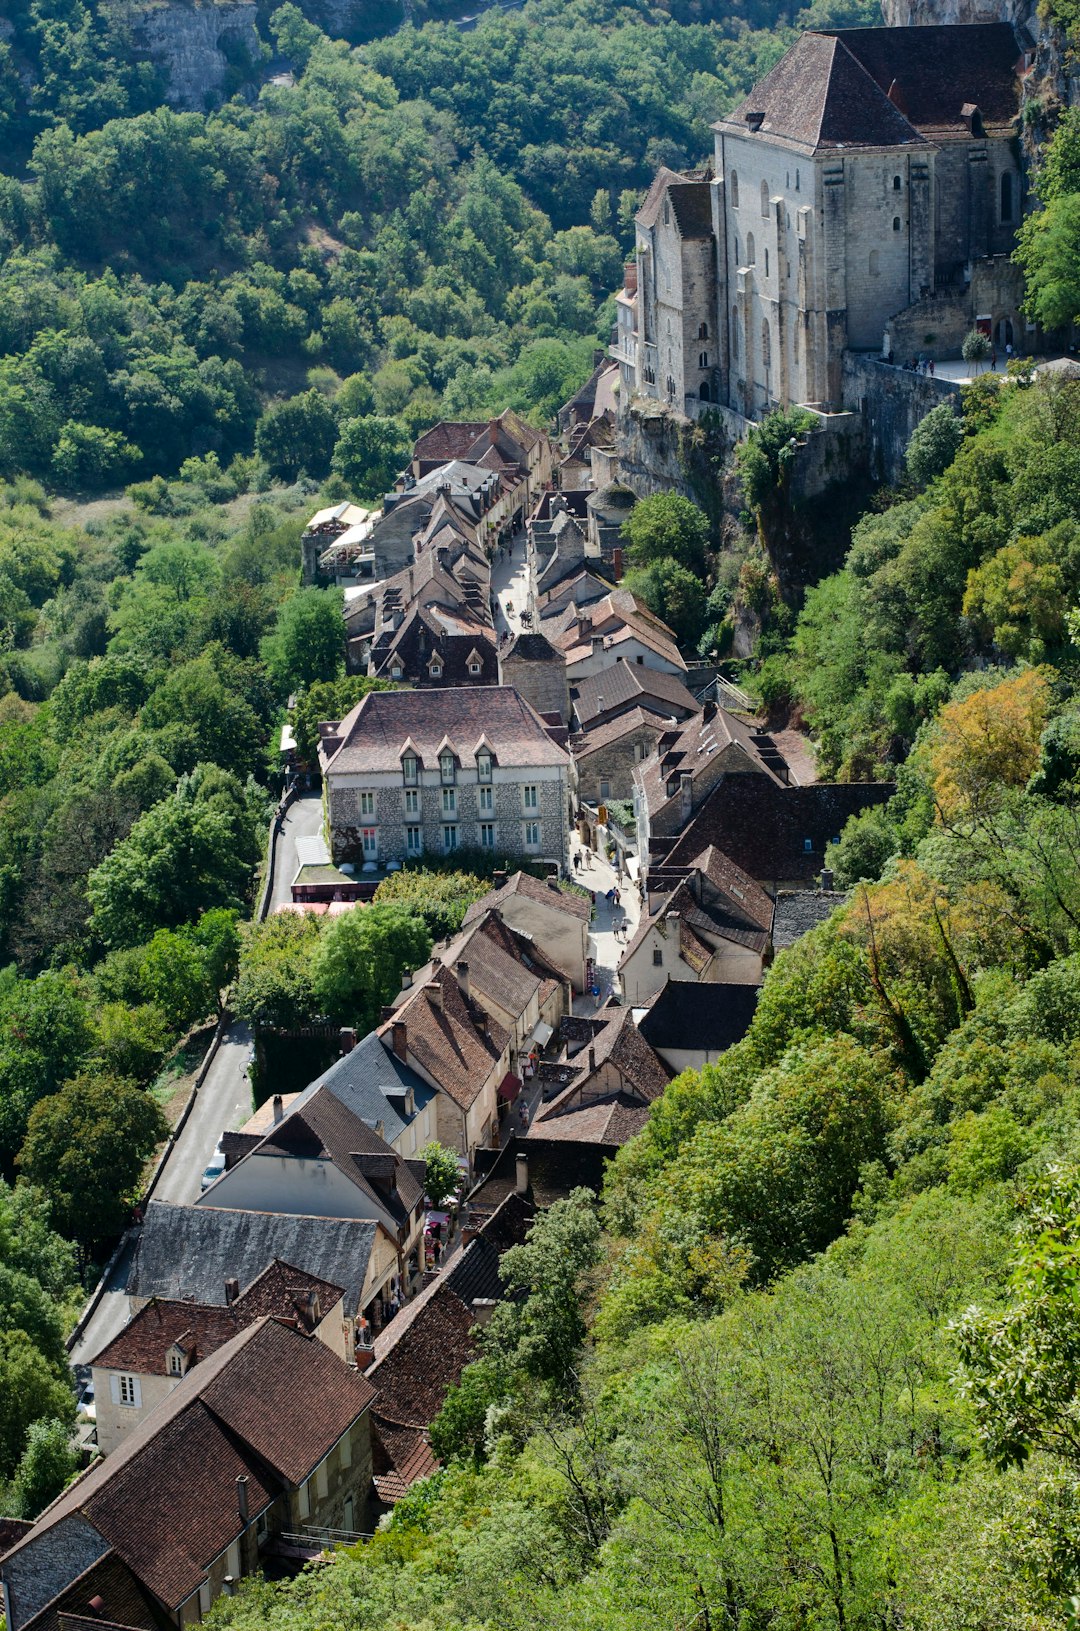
475	663
483	767
447	767
395	672
409	769
435	668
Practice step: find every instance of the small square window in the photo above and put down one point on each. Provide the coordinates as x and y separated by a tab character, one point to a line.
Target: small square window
808	845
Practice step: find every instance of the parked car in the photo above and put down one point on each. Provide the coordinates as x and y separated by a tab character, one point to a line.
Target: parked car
215	1169
87	1405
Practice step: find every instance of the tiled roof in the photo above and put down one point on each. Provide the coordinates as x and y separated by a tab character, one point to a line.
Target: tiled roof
322	1127
452	1040
690	200
400	1456
523	883
799	911
125	1602
373	734
627	685
613	730
533	648
820	97
372	1082
619	617
584	1112
687	1015
693	747
428	1355
932	72
269	1404
190	1251
555	1169
449	439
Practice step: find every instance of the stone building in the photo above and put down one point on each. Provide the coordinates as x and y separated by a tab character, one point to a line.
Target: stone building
538	673
415	772
873	173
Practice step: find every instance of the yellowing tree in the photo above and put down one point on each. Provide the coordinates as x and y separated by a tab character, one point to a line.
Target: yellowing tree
1017	598
986	742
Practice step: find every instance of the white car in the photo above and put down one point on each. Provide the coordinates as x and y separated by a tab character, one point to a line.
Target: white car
87	1405
215	1169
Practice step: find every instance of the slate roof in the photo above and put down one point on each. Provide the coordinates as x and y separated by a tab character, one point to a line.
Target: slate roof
764	826
374	734
686	1015
453	1040
818	97
372	1082
932	72
612	730
690	199
126	1604
629	685
799	911
190	1251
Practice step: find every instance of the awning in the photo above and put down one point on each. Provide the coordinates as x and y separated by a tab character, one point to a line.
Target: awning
542	1034
509	1087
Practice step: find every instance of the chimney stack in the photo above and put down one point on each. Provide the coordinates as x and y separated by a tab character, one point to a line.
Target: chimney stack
522	1174
463	977
232	1289
826	879
399	1036
279	1108
498	879
242	1496
435	993
347	1039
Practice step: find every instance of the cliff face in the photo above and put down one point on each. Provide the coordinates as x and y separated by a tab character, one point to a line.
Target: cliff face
194	46
913	13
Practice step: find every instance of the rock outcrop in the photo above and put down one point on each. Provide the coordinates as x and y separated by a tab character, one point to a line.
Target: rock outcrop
194	46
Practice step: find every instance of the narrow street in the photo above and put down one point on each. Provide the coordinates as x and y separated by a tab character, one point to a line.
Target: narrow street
302	820
598	875
510	587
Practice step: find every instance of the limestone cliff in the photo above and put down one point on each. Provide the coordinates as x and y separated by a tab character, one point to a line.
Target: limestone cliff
907	13
194	46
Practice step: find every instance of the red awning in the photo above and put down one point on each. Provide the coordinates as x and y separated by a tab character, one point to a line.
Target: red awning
509	1087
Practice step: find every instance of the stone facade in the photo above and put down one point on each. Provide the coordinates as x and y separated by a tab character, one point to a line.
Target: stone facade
607	772
538	673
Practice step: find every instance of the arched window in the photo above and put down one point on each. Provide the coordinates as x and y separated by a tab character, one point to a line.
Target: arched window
896	184
703	359
896	223
1006	195
703	331
765	200
766	343
874	263
734	331
733	185
751	252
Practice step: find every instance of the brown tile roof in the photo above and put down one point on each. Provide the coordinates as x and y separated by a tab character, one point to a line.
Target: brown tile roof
400	1456
628	685
321	1127
374	734
125	1602
618	618
523	883
932	72
452	1040
587	1113
423	1359
449	439
764	827
613	730
820	97
692	749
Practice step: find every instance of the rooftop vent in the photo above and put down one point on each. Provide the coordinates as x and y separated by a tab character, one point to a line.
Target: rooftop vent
755	119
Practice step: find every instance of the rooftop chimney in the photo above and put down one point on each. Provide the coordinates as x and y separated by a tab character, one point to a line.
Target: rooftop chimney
435	993
347	1038
386	1012
96	1605
399	1037
522	1173
232	1289
242	1496
592	1060
406	978
709	711
380	1129
826	879
279	1108
463	977
498	879
630	277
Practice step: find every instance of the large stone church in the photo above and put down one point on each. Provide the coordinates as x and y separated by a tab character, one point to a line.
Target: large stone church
863	198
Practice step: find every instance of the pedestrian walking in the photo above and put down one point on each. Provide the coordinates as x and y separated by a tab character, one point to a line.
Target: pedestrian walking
931	367
993	358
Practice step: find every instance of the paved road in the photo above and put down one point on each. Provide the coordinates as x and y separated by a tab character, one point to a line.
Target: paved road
510	587
302	820
604	948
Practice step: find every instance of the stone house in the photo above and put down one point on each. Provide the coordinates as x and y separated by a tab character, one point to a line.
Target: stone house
618	627
519	452
870	174
611	1080
619	716
429	625
258	1452
447	1037
537	673
710	925
556	919
388	1097
165	1339
414	772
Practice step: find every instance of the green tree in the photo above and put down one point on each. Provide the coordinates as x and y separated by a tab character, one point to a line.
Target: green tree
308	643
360	958
31	1390
275	984
86	1147
369	454
328	699
665	527
933	444
540	1326
441	1173
441	899
976	347
298	436
49	1461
